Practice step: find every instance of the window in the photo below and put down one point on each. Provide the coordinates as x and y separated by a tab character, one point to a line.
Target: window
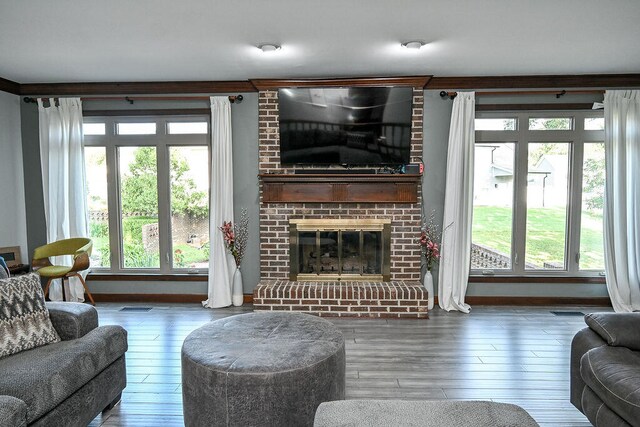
150	213
96	176
538	187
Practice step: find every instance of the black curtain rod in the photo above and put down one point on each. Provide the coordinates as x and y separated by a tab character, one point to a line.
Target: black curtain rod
558	93
131	99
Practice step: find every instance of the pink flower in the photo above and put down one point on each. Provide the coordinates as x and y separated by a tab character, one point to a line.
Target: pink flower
433	250
227	233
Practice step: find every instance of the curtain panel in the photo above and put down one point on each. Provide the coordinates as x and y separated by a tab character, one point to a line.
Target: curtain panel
221	262
458	206
622	198
63	182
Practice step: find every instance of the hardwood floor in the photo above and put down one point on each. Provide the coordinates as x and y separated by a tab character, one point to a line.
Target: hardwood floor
509	354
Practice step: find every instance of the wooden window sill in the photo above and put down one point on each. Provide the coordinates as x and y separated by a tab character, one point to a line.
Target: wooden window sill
537	279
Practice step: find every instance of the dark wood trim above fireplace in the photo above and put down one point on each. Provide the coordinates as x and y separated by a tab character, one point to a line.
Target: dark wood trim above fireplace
340	188
415	81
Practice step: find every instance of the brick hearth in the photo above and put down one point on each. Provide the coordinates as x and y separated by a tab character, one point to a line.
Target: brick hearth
344	299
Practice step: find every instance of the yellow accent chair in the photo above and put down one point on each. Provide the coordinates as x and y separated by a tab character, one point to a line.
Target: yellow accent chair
78	247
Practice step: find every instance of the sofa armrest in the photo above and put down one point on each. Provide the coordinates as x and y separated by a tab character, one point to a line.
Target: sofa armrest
13	412
584	341
72	319
617	329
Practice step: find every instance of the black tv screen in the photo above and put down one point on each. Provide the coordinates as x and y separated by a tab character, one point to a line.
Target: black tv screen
357	126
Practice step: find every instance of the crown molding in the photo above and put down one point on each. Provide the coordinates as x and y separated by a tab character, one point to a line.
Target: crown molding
271	84
135	88
9	86
536	82
427	82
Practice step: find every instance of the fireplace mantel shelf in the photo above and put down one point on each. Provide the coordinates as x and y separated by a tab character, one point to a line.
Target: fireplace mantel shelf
340	188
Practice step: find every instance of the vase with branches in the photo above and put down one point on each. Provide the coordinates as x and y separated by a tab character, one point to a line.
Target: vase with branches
235	240
429	238
428	241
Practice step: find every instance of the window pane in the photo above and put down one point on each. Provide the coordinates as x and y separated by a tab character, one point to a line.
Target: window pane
139	204
559	123
492	206
96	170
594	123
547	187
93	128
190	206
591	224
136	128
495	124
185	128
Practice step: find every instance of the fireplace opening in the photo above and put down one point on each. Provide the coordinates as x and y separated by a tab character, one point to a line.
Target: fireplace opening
336	249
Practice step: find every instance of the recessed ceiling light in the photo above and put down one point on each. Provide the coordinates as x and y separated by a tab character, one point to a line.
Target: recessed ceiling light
414	44
269	47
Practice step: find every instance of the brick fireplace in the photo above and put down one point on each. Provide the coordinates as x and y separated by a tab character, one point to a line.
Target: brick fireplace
285	197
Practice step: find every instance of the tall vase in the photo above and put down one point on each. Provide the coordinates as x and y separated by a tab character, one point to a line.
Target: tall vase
237	296
427	282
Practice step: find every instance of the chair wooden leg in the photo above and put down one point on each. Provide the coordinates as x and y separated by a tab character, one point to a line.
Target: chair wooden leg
86	289
46	288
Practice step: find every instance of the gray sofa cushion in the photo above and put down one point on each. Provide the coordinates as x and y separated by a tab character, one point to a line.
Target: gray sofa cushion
24	319
45	376
13	412
617	329
613	374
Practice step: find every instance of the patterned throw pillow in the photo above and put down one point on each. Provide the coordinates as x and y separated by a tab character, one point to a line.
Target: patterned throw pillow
4	270
24	318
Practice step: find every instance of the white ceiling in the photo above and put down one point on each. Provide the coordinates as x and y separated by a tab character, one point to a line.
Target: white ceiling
163	40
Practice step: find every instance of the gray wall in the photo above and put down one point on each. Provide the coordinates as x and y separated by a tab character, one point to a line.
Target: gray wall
13	227
36	225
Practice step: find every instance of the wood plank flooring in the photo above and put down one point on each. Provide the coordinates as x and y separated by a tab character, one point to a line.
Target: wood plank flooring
508	354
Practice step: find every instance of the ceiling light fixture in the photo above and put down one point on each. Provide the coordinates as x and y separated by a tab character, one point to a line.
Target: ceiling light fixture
269	47
414	44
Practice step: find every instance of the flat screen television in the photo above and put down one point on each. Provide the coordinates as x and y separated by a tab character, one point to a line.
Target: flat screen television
356	126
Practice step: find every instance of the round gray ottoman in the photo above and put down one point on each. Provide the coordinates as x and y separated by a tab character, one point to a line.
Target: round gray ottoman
261	369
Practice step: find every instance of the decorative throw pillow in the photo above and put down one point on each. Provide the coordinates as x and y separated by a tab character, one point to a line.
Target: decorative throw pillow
4	270
24	318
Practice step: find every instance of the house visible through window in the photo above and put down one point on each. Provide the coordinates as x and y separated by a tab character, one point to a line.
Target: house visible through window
538	194
148	193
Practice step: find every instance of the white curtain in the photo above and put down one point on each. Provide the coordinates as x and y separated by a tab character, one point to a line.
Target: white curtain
458	205
221	263
622	198
63	181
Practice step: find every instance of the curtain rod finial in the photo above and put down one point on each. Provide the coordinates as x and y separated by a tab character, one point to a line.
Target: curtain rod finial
450	95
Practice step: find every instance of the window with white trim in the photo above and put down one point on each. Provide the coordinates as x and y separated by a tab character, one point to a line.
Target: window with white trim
148	193
538	194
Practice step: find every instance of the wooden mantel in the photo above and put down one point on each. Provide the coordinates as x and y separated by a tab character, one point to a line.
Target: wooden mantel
340	188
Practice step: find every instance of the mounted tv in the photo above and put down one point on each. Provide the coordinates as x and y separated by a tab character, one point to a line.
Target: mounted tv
357	126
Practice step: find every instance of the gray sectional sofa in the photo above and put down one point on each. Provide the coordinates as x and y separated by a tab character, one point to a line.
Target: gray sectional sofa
605	369
67	383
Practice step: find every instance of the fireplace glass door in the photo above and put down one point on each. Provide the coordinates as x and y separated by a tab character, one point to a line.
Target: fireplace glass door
350	254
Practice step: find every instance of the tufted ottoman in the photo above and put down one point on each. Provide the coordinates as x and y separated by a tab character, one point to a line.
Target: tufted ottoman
267	369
